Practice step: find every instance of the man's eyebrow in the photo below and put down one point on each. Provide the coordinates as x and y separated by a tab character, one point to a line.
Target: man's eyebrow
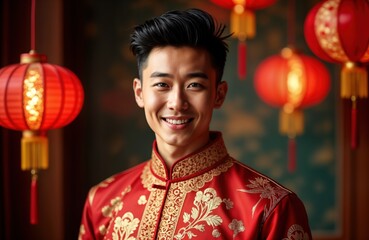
198	75
160	74
190	75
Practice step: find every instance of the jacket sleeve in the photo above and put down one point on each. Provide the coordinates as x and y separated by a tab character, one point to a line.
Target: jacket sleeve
287	221
86	230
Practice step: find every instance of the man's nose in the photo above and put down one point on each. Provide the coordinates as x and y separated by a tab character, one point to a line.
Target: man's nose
177	99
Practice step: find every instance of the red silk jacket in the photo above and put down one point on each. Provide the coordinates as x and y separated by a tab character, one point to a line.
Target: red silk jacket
206	195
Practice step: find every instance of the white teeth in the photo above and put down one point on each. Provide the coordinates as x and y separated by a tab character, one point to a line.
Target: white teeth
176	122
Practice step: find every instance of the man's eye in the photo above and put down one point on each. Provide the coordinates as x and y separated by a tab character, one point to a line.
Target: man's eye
160	85
195	85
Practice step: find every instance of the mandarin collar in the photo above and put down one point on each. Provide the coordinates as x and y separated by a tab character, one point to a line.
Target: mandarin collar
206	158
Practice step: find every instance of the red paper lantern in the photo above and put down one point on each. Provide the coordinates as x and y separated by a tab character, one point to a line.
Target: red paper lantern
337	31
242	24
34	97
291	81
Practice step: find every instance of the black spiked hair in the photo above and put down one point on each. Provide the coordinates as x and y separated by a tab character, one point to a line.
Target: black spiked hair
193	28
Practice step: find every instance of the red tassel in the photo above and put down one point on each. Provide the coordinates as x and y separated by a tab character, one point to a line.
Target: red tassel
34	204
241	60
291	155
353	127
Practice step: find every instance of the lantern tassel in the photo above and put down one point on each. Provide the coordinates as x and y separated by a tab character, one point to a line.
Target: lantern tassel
242	60
34	150
291	154
34	199
353	124
354	81
34	157
291	122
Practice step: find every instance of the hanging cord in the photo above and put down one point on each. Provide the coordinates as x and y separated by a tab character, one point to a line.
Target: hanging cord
33	25
291	23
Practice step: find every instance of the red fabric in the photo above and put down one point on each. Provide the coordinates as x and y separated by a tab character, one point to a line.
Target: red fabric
207	195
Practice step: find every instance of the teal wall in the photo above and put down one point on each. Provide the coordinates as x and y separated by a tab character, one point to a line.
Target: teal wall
118	136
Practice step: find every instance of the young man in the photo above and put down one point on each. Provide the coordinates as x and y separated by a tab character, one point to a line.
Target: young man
191	188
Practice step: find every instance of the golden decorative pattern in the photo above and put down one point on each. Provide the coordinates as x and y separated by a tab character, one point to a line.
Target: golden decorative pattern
93	190
326	30
147	227
204	203
177	195
296	232
296	82
125	226
267	191
33	96
185	167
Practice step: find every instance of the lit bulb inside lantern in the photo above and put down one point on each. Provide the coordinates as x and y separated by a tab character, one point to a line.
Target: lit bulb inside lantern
295	76
33	97
294	85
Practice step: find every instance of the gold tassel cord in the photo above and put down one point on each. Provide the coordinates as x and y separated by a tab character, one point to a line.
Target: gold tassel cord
291	123
242	23
34	150
354	81
354	85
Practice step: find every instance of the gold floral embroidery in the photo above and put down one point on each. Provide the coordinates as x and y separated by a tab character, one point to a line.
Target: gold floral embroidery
267	191
215	233
102	229
93	190
115	205
228	203
108	211
296	232
205	202
204	159
153	205
142	200
177	194
151	213
237	227
125	226
214	153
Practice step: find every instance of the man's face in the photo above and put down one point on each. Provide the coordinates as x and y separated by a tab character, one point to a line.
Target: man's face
178	93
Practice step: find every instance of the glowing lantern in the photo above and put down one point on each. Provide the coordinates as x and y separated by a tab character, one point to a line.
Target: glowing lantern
291	81
337	31
36	96
242	24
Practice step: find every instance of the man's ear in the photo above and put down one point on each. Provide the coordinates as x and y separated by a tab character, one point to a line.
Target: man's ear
222	90
137	89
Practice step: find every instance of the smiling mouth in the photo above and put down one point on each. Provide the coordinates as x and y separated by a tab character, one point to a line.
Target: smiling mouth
178	121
